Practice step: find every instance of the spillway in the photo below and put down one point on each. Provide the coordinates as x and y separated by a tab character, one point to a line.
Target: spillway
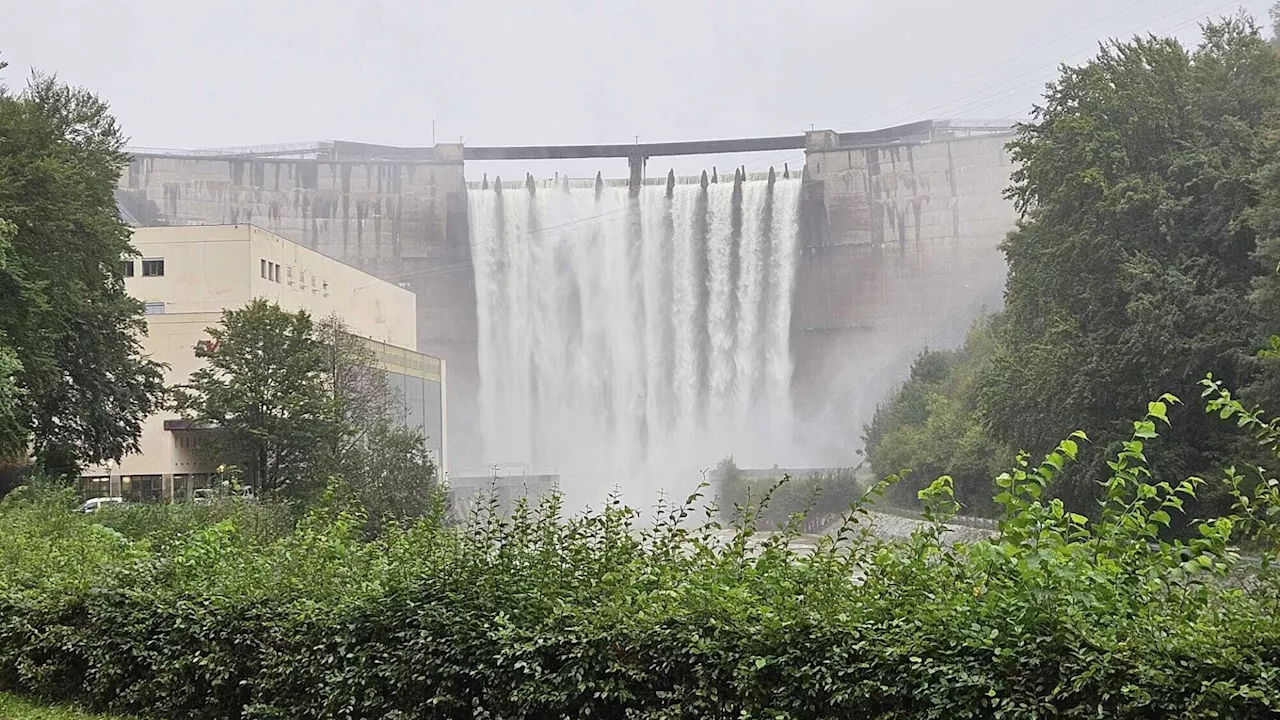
628	340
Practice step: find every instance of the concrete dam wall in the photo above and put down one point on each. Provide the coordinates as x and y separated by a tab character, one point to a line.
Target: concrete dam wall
896	249
899	251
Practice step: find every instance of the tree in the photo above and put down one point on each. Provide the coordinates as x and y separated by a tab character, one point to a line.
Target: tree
933	426
294	403
1129	274
83	385
265	394
384	461
13	436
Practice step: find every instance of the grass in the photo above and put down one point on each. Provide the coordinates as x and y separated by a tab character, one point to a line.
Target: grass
13	707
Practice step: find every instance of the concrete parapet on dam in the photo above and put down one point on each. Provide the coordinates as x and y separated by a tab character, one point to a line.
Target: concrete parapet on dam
896	244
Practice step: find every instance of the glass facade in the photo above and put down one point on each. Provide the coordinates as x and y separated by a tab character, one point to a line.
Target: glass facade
184	486
422	406
416	379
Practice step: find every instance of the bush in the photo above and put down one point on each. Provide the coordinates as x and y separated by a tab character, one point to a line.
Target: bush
776	497
167	525
933	425
539	615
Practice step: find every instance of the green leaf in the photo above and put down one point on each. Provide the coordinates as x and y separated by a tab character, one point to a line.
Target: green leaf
1159	411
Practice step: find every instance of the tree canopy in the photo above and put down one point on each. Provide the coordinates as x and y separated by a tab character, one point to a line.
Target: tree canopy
263	388
293	403
82	386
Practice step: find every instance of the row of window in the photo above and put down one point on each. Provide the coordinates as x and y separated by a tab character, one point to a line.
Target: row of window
271	271
151	267
145	488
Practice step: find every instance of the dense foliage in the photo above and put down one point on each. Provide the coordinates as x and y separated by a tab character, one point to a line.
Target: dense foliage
933	426
817	495
542	616
1144	259
74	385
262	386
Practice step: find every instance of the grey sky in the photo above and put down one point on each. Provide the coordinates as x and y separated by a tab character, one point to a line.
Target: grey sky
241	72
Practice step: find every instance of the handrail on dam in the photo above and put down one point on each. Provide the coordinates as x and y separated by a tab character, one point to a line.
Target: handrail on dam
645	150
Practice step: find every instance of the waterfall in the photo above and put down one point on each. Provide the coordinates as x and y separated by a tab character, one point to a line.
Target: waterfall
630	339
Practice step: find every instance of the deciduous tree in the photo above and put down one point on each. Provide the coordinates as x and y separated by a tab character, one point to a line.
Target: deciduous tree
264	393
84	384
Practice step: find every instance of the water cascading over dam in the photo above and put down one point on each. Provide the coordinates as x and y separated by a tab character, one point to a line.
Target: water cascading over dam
631	339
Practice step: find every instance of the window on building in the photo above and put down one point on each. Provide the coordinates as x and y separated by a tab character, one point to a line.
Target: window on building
155	308
262	268
153	267
313	281
126	268
326	287
142	488
95	487
289	272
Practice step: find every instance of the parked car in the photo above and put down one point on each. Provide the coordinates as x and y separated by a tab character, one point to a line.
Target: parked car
94	504
203	496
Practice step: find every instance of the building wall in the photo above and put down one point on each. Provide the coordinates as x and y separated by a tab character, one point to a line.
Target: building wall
401	220
211	268
171	339
372	308
899	252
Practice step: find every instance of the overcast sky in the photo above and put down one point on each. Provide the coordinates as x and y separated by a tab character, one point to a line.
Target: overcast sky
247	72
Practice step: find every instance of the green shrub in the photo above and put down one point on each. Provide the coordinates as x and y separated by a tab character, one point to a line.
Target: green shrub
776	497
537	615
933	425
166	524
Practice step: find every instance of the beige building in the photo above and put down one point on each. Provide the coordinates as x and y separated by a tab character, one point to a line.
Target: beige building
188	275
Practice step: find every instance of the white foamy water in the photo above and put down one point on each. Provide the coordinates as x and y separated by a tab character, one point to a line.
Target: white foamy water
631	341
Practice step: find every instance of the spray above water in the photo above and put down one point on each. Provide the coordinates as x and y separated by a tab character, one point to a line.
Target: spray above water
630	340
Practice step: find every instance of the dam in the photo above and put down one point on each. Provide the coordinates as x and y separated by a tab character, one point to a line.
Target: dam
629	326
